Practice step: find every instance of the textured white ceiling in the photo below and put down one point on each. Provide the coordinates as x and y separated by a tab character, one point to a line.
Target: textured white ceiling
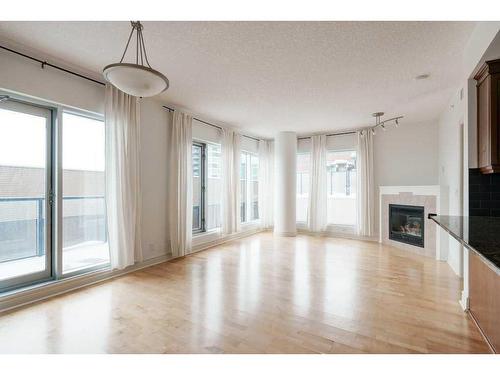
266	77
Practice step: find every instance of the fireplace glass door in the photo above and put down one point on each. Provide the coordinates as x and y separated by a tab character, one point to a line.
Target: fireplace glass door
406	224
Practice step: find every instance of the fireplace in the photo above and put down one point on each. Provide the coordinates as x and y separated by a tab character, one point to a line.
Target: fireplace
406	224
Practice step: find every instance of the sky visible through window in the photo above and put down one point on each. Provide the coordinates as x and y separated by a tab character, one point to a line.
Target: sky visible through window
23	141
83	143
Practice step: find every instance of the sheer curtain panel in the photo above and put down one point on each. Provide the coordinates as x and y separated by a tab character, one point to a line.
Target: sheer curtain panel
230	181
316	216
266	182
122	176
365	184
180	195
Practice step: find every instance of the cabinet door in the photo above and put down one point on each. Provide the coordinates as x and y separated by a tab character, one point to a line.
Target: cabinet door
484	299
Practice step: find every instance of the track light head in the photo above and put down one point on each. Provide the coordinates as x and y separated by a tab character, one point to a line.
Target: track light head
373	131
383	127
397	123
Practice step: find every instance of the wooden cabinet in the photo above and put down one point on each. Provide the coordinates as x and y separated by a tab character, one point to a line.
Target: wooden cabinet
488	116
484	299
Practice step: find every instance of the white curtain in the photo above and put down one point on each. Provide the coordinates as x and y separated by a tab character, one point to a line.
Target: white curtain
365	185
180	194
266	183
230	181
316	215
123	192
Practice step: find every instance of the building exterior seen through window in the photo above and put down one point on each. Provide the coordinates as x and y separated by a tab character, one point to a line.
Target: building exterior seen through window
207	186
303	173
249	187
341	180
341	173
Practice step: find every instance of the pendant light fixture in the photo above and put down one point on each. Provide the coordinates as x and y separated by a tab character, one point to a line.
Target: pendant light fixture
136	79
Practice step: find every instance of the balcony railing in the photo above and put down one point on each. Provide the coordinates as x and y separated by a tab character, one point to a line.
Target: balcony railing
22	224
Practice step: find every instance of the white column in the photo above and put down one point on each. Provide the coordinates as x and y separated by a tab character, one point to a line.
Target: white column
285	195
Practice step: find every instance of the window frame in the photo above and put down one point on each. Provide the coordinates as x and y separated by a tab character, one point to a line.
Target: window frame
334	227
53	206
309	154
248	187
20	105
60	194
203	169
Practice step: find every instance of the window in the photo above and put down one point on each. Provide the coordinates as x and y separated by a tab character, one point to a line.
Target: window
198	159
85	240
25	194
207	186
214	186
35	211
341	187
249	187
303	173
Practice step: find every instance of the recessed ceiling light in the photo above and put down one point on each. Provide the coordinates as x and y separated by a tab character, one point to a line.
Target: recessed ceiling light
422	76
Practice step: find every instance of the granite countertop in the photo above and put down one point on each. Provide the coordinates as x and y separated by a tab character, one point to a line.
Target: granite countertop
480	234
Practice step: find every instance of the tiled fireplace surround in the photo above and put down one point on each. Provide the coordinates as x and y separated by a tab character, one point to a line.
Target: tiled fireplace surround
426	196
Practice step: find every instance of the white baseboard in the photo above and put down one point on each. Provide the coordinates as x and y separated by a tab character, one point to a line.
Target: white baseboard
464	301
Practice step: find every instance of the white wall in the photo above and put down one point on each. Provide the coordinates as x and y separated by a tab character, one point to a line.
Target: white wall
155	121
285	176
405	156
451	138
26	77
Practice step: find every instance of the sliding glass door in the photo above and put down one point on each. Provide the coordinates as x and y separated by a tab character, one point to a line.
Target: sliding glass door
53	220
25	193
84	242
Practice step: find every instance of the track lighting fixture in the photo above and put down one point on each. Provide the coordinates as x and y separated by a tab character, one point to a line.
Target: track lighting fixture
383	124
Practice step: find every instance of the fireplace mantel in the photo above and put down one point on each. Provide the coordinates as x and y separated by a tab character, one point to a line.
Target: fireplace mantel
426	196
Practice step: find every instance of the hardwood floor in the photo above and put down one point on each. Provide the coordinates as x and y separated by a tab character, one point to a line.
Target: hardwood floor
261	294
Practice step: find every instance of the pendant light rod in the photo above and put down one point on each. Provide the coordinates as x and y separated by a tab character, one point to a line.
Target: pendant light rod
45	63
140	46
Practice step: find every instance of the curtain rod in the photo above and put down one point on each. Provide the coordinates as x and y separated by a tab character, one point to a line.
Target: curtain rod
329	135
45	63
213	125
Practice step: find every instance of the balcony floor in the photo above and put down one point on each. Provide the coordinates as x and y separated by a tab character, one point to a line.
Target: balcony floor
88	254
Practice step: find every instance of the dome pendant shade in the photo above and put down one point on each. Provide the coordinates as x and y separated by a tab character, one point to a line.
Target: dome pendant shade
136	79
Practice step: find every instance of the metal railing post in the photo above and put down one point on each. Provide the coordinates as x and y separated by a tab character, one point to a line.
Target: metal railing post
40	224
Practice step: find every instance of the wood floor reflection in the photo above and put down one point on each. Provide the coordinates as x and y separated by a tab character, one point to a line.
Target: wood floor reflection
261	294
